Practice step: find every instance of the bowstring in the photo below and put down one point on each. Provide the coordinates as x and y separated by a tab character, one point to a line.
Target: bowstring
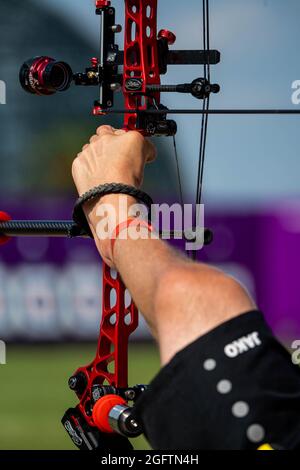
179	180
204	125
205	108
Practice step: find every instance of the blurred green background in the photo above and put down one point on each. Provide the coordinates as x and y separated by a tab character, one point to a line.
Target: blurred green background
35	394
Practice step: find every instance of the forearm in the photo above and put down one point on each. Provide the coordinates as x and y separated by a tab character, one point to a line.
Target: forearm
180	300
142	263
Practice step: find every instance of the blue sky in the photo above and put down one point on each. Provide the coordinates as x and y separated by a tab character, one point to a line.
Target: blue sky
249	159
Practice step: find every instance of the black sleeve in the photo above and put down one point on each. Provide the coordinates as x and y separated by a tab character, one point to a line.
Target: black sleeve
234	388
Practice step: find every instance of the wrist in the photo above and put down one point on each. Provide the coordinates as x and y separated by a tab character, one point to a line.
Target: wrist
108	212
121	177
115	208
106	206
82	208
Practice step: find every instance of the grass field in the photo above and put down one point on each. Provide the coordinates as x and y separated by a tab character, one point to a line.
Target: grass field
34	393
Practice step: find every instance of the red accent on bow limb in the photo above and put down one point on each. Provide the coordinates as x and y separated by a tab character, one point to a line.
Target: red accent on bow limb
165	33
94	62
119	320
140	56
4	217
102	3
97	111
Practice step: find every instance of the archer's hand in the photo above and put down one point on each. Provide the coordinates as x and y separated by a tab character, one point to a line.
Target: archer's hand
112	156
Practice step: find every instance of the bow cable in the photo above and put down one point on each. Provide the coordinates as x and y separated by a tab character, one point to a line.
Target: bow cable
204	123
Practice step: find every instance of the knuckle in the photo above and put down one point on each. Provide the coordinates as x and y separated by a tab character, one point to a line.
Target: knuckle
102	128
93	138
136	137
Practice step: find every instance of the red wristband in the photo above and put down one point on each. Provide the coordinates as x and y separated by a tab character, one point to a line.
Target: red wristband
131	222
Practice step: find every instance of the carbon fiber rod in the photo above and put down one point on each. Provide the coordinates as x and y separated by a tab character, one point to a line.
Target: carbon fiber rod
41	228
64	228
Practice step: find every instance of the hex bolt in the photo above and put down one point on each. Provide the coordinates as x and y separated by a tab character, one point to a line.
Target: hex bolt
116	28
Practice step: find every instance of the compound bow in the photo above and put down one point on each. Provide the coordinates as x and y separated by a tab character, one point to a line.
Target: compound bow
103	419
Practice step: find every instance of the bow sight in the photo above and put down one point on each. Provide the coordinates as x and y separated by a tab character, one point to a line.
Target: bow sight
147	58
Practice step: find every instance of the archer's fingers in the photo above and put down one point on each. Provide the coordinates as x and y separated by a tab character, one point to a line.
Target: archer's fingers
105	130
94	138
120	132
85	147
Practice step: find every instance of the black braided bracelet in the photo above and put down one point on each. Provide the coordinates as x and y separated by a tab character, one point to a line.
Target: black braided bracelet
104	190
